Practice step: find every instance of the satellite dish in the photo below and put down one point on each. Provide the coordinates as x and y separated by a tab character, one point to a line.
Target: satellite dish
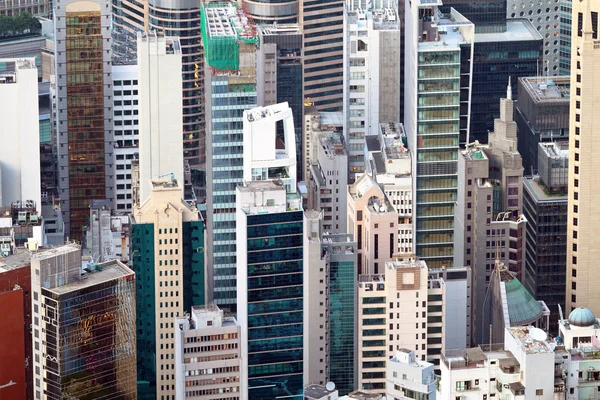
537	334
330	386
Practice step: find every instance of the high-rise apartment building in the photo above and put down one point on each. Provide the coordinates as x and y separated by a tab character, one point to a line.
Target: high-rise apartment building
330	295
270	276
83	326
389	162
230	44
161	147
542	115
280	55
84	118
182	20
322	24
20	135
583	218
328	181
207	355
167	254
374	223
317	123
371	74
13	8
439	62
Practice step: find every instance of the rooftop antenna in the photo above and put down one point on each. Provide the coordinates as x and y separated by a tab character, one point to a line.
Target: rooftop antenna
509	90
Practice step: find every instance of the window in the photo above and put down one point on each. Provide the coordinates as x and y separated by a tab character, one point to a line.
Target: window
574	260
539	392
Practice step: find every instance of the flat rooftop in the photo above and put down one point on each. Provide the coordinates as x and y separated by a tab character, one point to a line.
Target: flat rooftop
313	392
474	153
331	118
104	272
381	18
548	89
537	190
22	258
208	312
332	144
49	253
527	343
261	186
415	263
517	30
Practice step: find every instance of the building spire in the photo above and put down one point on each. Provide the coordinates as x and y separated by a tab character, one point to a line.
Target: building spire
587	28
509	90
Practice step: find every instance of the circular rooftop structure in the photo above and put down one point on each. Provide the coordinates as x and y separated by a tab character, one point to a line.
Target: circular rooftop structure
582	317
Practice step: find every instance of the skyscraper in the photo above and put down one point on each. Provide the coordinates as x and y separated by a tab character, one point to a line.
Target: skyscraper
269	12
269	233
583	246
167	247
230	44
161	147
84	97
20	135
566	22
322	24
83	327
437	98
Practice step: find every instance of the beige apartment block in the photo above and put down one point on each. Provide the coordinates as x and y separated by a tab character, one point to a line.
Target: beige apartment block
374	223
166	210
583	223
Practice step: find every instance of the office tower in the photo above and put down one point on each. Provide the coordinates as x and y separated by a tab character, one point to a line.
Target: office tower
47	130
389	162
330	304
161	148
269	236
374	223
126	131
15	321
83	326
317	123
178	20
487	15
229	94
545	17
207	343
371	74
566	13
582	247
409	377
406	307
84	114
512	53
280	55
542	115
167	254
272	12
322	23
545	208
20	152
328	180
430	126
522	366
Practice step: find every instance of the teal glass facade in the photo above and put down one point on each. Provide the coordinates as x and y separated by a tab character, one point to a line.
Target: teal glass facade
275	305
342	315
142	262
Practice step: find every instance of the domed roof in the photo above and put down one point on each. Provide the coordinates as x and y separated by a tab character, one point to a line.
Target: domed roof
582	317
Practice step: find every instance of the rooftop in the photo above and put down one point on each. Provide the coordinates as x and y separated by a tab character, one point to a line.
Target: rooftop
539	192
412	263
331	118
313	392
103	272
517	30
528	344
279	29
21	258
261	186
381	18
545	89
474	152
209	311
443	32
49	253
333	144
394	140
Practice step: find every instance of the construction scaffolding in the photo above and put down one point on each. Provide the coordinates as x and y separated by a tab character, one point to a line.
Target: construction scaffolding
224	27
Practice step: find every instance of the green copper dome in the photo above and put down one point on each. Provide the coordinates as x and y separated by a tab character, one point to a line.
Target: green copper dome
522	307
